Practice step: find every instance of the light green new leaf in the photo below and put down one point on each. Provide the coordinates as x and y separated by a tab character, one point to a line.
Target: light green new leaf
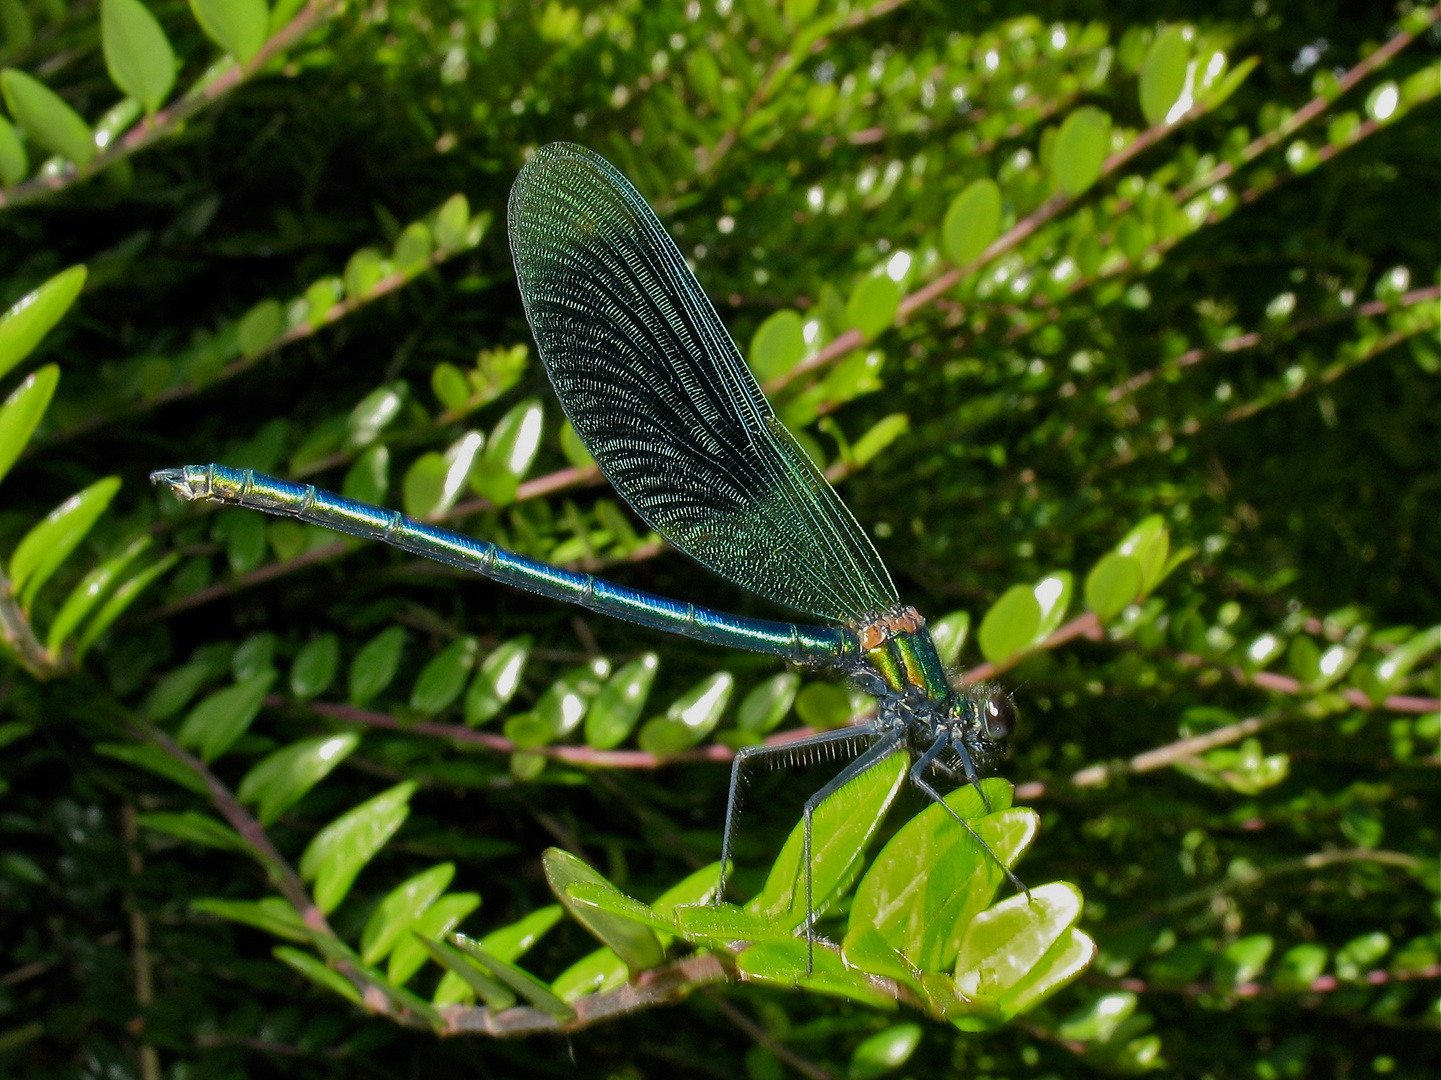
725	926
949	632
364	270
282	778
119	600
777	345
1299	968
272	914
884	1052
841	827
375	665
434	923
405	903
137	52
239	27
767	704
635	942
46	118
1163	74
464	979
497	680
413	248
14	162
259	327
89	592
340	851
373	414
1149	542
443	677
873	305
1053	596
317	972
452	224
315	667
1112	585
972	221
880	435
195	827
22	411
45	547
522	982
509	453
213	725
782	962
573	449
31	317
434	481
598	972
1010	625
613	715
690	718
1079	152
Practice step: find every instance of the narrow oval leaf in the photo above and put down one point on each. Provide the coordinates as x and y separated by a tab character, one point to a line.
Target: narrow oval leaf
452	224
522	982
281	779
90	591
497	680
413	248
239	27
340	851
1005	950
373	413
395	914
14	162
595	973
119	600
881	434
156	760
634	942
509	453
315	667
46	546
1149	543
1079	152
318	972
222	717
777	345
273	915
31	317
1010	625
443	916
473	979
872	307
46	118
195	827
368	479
1112	585
972	221
22	411
375	665
1053	597
766	705
510	943
884	1052
613	714
442	679
259	327
1163	74
137	52
691	717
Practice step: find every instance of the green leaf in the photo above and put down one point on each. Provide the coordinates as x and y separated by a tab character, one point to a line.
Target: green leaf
1399	661
605	898
282	779
340	851
782	962
317	972
31	317
884	1052
436	921
373	414
1010	625
259	327
881	434
573	449
369	478
46	118
239	27
509	454
1112	585
1299	968
777	345
725	925
119	600
522	982
315	667
1053	596
451	387
635	942
364	270
375	665
690	718
195	827
14	162
469	974
156	760
1024	948
443	678
1079	152
90	591
434	481
137	52
972	222
272	914
932	878
613	714
873	305
841	827
949	632
213	725
1149	543
395	914
497	680
452	224
1243	960
45	547
413	248
598	972
766	705
1163	74
823	705
23	410
510	943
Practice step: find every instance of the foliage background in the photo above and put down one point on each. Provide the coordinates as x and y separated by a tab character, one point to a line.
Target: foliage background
1266	905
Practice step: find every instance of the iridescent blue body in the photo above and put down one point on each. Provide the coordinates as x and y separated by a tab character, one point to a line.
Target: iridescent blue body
655	388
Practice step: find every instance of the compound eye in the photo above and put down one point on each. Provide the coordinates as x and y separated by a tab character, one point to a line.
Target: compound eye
998	717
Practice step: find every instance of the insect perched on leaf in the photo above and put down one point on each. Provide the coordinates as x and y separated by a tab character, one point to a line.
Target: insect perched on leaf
665	405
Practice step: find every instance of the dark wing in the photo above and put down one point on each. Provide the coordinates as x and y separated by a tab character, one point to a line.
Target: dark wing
663	401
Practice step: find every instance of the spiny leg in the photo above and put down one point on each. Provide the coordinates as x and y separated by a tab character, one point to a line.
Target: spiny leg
747	754
874	755
972	777
918	769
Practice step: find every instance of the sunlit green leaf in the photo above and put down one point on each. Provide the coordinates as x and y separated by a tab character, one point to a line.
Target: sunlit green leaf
47	119
338	852
45	547
884	1052
949	633
439	919
91	591
690	718
872	306
395	914
778	345
1080	150
30	318
137	52
239	27
595	973
452	224
521	982
633	941
22	411
222	717
413	248
115	605
1010	625
972	221
281	779
272	914
823	705
509	453
1112	585
613	714
317	972
1163	74
497	680
768	703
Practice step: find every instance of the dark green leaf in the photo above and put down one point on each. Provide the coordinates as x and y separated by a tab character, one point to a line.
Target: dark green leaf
195	827
45	547
315	667
613	714
272	914
375	665
443	678
214	725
